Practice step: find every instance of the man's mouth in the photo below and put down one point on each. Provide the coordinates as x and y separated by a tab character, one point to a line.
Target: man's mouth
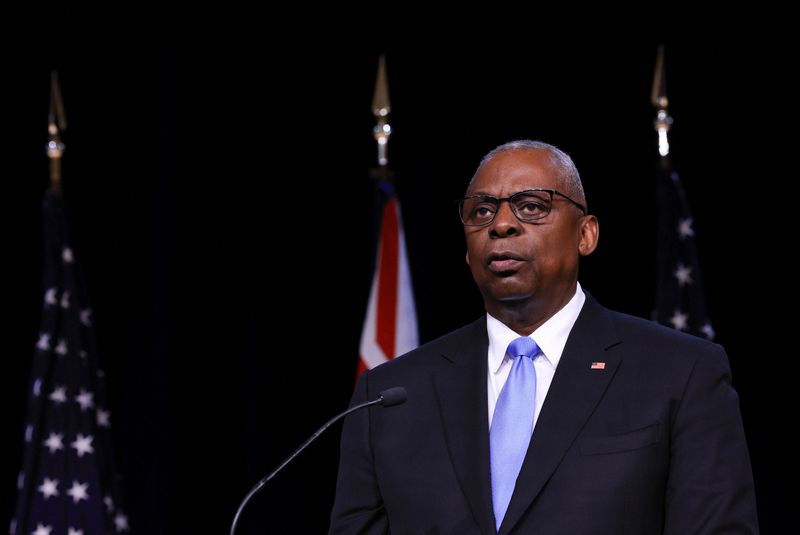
504	262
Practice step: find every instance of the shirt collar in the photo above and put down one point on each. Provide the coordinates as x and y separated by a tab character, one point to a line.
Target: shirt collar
551	336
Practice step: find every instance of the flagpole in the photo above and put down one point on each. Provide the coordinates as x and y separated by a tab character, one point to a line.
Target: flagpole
76	489
658	98
680	301
390	323
56	123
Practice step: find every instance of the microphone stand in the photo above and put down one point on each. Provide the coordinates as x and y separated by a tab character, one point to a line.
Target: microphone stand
257	487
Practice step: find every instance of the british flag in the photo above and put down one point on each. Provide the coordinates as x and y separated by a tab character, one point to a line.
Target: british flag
390	325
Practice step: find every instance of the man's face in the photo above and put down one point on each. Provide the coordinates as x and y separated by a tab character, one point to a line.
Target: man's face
512	260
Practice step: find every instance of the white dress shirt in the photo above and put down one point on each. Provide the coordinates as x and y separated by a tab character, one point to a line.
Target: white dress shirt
551	337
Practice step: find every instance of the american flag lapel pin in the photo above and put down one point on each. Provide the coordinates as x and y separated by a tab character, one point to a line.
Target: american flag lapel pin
598	365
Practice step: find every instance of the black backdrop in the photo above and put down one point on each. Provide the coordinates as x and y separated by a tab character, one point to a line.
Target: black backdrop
229	318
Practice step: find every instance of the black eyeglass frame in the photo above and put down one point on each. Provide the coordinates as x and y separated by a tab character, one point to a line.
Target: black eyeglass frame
498	201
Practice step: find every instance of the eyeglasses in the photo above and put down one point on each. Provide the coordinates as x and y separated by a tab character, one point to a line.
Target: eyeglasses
528	205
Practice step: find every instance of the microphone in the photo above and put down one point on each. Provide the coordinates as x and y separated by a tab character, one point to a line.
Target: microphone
388	398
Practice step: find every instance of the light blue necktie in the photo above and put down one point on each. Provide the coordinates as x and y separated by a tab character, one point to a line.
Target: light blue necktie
512	424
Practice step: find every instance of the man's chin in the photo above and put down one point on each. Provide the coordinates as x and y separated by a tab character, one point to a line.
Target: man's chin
512	300
510	296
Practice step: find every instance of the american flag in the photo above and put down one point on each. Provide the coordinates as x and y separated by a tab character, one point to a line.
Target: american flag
68	484
390	325
680	301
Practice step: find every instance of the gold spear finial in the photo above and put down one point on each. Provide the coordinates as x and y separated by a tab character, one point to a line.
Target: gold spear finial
658	98
56	123
381	109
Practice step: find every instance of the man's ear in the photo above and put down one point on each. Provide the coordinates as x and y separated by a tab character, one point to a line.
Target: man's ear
589	235
467	257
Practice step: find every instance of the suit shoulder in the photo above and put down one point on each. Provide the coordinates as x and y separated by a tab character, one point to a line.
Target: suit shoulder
657	339
446	344
639	327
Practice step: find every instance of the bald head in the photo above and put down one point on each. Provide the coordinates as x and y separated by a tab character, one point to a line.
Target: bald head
567	174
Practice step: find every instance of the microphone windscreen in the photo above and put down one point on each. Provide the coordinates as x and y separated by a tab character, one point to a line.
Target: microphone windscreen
393	396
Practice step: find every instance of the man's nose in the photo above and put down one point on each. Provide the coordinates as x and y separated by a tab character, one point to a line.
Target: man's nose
505	222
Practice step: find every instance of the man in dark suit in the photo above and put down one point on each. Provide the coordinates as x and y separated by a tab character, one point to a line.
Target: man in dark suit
634	428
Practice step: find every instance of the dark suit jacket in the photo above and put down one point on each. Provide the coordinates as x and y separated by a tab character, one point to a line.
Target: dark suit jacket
652	443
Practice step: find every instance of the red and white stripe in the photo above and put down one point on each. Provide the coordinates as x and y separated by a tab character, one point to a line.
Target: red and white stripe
390	327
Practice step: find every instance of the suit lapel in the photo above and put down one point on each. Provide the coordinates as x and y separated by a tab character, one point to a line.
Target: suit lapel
461	391
576	389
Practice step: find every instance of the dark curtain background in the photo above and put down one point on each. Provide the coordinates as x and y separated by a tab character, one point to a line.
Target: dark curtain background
222	211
